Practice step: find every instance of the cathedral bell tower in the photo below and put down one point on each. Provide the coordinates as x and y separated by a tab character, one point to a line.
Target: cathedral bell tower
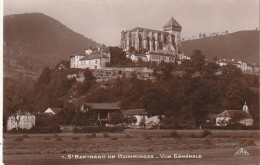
173	27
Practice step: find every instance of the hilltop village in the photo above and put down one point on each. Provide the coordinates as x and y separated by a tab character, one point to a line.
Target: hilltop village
148	59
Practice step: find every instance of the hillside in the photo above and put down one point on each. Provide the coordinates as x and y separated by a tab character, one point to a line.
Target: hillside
33	41
242	45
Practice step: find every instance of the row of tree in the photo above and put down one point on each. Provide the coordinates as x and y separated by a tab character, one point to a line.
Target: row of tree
184	94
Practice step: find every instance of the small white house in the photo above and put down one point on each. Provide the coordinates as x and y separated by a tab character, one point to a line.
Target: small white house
90	61
245	117
23	120
141	118
52	111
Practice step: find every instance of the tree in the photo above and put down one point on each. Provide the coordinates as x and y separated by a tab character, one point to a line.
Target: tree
156	101
116	118
197	59
45	77
215	58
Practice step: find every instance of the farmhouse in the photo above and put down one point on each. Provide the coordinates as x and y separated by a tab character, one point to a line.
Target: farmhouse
90	59
103	110
243	117
141	118
63	65
52	111
22	120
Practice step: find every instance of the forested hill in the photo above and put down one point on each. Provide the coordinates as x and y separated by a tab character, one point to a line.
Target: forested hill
32	41
243	45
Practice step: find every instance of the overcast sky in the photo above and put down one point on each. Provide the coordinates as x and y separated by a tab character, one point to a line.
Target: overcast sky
103	20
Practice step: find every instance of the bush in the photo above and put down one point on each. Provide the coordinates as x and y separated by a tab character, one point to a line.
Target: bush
247	142
174	134
95	129
148	138
59	139
46	138
88	136
128	136
192	135
93	135
25	136
19	138
113	138
105	135
208	141
56	136
205	133
75	138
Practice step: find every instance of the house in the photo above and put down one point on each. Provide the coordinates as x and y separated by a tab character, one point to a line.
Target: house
142	118
137	57
63	65
182	56
103	110
158	57
243	116
90	59
52	111
22	120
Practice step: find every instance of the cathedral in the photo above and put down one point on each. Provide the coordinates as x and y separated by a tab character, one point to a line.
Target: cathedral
142	40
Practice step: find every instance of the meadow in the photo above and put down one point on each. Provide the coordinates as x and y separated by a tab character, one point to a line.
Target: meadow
216	147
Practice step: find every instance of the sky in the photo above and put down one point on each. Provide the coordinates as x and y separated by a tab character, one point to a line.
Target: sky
103	20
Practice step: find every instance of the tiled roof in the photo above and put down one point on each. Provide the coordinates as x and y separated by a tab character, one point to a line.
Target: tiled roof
103	106
232	113
93	56
172	22
161	54
148	30
55	110
134	112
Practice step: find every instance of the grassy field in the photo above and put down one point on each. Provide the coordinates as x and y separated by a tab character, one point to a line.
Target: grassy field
59	148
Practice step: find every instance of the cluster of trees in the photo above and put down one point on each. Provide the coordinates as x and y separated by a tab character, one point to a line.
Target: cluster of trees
185	99
118	57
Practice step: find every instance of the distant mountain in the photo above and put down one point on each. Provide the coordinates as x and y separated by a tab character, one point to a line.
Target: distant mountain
33	41
243	45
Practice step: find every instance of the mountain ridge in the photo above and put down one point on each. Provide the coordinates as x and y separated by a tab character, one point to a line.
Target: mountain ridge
243	45
33	41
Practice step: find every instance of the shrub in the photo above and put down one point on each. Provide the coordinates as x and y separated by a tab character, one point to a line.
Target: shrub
25	136
95	129
174	134
113	138
88	136
247	142
19	138
59	139
63	152
75	138
46	138
148	138
208	141
56	136
105	135
205	133
128	136
150	149
93	135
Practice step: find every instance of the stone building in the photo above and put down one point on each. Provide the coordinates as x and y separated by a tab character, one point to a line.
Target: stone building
142	40
91	59
243	117
22	120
